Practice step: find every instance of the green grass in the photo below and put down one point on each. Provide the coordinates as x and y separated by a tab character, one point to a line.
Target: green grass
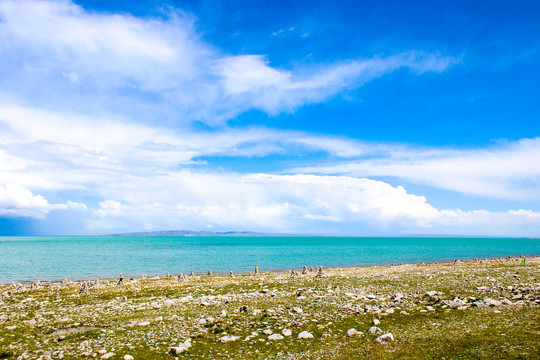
329	308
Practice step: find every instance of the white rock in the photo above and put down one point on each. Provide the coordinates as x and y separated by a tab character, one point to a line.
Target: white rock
286	332
305	335
491	302
268	332
155	305
128	357
144	323
431	293
108	355
228	338
390	311
353	332
375	330
385	338
297	310
275	337
168	302
376	321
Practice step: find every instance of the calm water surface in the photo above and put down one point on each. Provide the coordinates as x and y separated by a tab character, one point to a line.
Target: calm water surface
53	258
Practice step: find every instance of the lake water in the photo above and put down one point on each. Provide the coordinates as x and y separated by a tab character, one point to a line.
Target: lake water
88	257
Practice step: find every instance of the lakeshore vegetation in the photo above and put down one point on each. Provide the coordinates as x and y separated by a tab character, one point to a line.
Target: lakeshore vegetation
481	309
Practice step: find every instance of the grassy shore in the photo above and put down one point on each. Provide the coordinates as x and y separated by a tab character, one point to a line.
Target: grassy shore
450	311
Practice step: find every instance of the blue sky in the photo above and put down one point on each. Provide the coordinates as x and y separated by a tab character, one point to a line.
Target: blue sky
347	118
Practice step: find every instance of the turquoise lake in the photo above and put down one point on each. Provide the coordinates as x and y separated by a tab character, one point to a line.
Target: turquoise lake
88	257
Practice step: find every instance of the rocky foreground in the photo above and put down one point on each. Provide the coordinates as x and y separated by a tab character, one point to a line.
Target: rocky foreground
488	309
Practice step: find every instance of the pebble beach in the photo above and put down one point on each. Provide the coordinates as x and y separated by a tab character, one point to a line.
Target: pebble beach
486	308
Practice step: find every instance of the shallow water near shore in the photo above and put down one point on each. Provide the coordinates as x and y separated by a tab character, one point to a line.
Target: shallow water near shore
87	257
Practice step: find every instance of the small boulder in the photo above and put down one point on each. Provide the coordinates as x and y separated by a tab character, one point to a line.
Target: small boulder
376	322
286	332
275	337
479	303
128	357
375	330
175	350
228	338
305	335
385	338
108	355
353	332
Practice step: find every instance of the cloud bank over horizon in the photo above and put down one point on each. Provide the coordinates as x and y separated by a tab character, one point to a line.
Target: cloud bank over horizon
131	123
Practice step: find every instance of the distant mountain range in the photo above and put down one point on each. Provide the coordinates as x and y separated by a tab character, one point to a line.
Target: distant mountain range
196	233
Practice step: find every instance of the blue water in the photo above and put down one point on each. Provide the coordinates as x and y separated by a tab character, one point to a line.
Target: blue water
53	258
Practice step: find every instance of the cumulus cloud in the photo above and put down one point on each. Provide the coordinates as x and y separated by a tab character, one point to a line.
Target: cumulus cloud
17	201
293	204
133	172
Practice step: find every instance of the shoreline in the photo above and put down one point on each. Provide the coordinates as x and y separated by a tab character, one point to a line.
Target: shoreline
488	308
269	272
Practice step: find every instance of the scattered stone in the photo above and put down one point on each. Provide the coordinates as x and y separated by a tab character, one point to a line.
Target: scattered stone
228	338
128	357
108	355
385	338
376	322
375	330
175	350
353	332
320	273
275	337
286	332
305	335
297	310
479	303
491	302
268	332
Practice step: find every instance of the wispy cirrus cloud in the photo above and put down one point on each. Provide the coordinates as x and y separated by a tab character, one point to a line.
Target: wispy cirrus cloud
251	79
159	69
508	170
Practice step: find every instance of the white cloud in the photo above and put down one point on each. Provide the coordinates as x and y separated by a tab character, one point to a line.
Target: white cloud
250	80
506	171
113	49
17	201
159	68
109	208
